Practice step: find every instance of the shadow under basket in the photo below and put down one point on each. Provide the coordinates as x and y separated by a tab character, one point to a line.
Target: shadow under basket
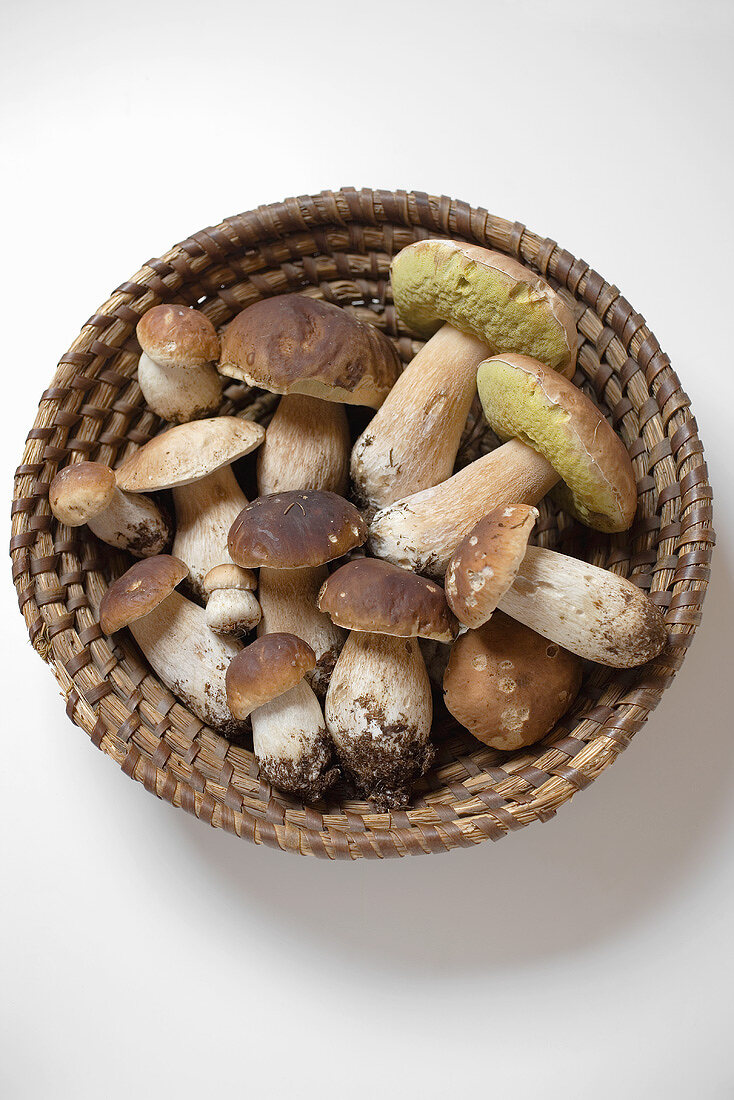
337	246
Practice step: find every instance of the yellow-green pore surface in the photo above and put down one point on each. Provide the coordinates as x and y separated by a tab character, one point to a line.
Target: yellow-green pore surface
557	420
485	294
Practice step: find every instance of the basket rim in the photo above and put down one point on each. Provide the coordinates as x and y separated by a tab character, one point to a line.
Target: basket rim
623	358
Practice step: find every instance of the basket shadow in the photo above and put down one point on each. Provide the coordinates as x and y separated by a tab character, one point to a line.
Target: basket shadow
607	862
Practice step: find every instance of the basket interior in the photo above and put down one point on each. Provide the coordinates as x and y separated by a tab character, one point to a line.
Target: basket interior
337	246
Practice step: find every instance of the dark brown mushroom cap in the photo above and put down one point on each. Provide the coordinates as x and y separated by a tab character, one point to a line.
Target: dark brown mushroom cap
507	685
485	563
174	335
80	492
372	595
136	593
295	529
295	344
265	669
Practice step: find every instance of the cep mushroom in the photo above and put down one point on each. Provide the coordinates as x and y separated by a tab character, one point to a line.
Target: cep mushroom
489	303
194	460
588	610
87	492
231	604
553	430
507	685
172	633
176	372
379	706
266	683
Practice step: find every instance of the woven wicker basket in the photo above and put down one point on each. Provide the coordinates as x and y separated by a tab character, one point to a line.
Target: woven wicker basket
337	246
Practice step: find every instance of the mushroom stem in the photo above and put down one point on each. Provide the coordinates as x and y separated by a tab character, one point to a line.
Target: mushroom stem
177	393
306	447
412	441
587	610
290	742
421	532
379	711
205	511
132	522
189	659
288	602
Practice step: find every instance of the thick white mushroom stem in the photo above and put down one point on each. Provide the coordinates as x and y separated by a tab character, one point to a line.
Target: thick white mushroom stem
132	522
412	441
291	745
306	447
587	610
205	511
379	711
288	602
189	659
422	531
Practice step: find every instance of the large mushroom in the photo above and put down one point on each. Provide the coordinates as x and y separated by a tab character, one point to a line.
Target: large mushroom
588	610
194	460
379	707
176	372
489	303
554	431
172	633
87	492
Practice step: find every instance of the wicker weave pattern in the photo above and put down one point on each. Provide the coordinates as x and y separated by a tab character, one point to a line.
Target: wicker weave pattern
337	246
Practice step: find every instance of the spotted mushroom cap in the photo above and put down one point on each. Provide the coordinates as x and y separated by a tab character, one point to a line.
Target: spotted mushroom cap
174	335
293	530
80	492
484	564
265	669
139	591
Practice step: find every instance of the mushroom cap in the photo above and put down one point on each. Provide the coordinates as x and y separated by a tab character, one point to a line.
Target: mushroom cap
523	399
507	685
485	563
178	336
139	591
295	344
303	527
189	452
265	669
229	576
81	491
372	595
493	297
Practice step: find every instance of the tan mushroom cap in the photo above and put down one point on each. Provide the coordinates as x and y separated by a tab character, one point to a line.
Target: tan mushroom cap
507	685
296	344
485	294
484	564
524	400
188	452
295	529
139	591
265	669
375	596
80	492
178	336
229	576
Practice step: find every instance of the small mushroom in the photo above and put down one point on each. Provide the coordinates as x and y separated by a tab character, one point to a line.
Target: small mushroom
379	706
231	604
553	430
266	682
490	303
87	492
507	685
588	610
176	372
194	460
172	633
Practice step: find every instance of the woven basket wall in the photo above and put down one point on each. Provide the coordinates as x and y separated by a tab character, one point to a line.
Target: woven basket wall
337	246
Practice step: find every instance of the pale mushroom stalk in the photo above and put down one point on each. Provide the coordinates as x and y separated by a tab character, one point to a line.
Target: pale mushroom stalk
205	511
306	447
291	744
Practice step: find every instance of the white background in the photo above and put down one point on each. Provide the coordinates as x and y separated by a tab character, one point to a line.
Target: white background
144	954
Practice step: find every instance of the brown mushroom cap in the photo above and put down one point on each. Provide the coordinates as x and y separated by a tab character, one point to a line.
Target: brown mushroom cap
295	344
484	564
507	685
229	576
80	492
295	529
139	591
174	335
265	669
524	400
375	596
188	452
